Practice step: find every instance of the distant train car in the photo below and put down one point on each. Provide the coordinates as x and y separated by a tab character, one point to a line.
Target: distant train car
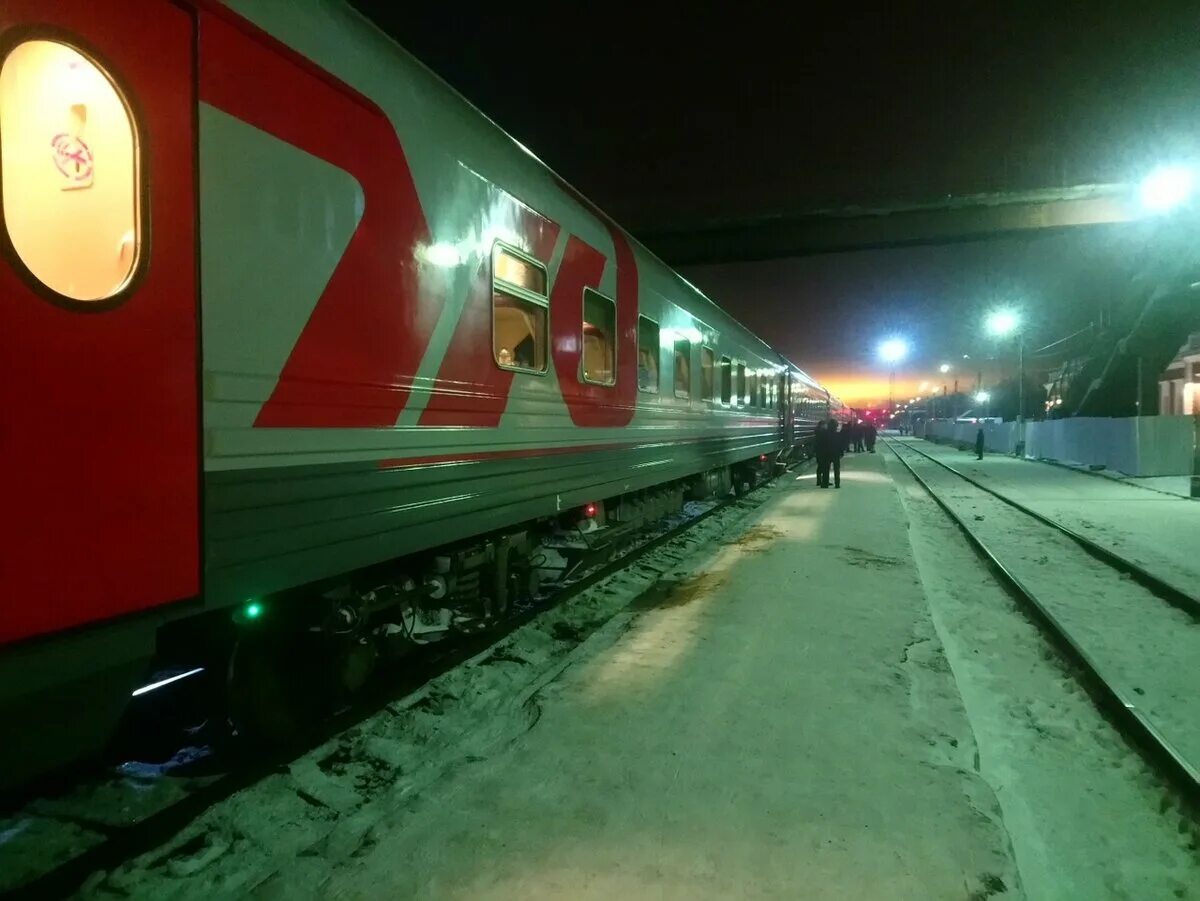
297	342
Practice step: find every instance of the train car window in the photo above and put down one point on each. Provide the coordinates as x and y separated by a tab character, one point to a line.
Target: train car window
599	338
69	173
520	271
753	393
519	311
742	396
707	365
683	367
648	354
726	380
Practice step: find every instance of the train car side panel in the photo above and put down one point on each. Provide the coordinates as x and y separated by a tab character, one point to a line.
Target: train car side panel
99	342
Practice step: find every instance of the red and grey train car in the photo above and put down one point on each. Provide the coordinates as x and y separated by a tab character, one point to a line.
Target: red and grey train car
288	328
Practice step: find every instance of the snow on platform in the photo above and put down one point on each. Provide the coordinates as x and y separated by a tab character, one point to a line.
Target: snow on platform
782	723
1159	531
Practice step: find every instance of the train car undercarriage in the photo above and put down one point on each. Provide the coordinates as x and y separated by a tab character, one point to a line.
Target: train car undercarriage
279	664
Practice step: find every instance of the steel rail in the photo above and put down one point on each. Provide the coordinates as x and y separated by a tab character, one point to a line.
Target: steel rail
1155	746
1173	595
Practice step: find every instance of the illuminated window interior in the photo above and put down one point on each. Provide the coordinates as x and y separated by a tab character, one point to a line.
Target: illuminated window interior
519	312
70	179
519	272
599	338
683	367
707	364
648	351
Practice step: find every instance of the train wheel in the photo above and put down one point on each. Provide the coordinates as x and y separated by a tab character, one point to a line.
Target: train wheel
276	690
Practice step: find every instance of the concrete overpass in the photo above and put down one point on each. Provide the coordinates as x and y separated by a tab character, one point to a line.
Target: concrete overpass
963	218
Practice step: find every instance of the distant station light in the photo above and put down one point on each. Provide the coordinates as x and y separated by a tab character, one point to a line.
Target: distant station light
982	397
893	350
1166	188
944	368
1002	322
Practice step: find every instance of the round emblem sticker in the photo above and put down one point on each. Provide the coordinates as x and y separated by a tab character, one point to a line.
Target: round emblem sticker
73	158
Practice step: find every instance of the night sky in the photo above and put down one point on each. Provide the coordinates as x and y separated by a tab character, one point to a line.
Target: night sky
715	116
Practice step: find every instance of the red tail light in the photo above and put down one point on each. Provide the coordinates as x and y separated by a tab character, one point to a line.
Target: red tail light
589	511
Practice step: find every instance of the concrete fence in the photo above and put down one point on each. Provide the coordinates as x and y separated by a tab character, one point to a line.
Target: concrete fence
1135	446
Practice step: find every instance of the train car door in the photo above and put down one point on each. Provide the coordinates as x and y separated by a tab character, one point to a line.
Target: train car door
98	316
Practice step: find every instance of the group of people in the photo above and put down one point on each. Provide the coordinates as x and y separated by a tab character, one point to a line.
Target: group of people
830	443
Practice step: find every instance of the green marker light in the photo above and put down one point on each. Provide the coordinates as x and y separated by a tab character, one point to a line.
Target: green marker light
249	612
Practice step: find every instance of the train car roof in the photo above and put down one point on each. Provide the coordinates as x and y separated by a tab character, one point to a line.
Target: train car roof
591	207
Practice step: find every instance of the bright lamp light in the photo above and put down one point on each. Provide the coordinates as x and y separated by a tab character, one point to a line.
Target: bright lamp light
1166	188
893	350
982	397
944	368
1002	322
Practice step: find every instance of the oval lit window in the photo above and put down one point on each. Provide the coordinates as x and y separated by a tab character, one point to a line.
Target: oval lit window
69	168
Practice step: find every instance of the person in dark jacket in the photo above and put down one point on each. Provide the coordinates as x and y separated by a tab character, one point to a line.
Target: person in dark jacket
860	436
841	440
979	444
822	445
872	433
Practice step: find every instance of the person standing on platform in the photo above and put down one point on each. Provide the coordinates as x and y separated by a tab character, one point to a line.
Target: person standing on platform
979	444
822	445
841	441
872	434
860	436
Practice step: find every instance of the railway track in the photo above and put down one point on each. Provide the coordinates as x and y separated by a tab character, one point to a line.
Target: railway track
99	845
1134	636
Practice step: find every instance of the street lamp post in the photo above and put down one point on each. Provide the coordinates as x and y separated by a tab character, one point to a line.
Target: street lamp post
892	351
1002	323
943	369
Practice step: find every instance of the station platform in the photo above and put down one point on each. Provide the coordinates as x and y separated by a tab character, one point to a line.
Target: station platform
782	725
1154	529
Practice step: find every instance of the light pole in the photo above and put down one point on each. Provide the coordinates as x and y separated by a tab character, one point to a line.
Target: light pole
943	369
892	351
1003	323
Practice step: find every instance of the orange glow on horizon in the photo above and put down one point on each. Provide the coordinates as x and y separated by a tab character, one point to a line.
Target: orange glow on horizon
858	389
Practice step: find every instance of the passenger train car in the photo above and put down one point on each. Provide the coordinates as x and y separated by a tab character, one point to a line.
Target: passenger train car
294	341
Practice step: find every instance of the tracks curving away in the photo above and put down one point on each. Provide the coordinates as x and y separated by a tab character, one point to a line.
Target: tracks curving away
1135	637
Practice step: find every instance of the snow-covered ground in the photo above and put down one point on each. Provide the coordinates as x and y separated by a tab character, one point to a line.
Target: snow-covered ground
1180	486
1159	531
771	717
1141	644
808	696
1087	818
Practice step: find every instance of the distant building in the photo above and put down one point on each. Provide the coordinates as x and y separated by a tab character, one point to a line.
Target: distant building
1179	385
